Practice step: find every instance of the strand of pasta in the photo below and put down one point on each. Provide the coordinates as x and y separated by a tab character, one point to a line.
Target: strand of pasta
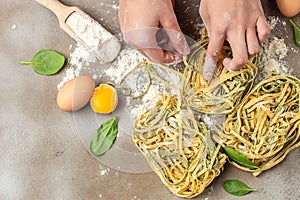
266	125
263	125
178	148
151	73
225	91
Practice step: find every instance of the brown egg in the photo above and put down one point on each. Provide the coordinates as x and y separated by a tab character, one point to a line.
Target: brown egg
76	93
289	8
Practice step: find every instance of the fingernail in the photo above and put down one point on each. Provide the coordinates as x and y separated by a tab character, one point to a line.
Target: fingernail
186	48
170	57
177	58
228	64
208	76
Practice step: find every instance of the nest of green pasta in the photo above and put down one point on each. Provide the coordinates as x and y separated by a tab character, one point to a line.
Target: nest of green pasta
178	147
266	125
225	91
261	128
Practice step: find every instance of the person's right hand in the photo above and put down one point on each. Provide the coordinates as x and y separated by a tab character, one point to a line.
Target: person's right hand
240	22
140	20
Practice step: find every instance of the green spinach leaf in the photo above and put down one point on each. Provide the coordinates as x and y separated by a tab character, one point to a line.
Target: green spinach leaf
240	158
46	62
296	33
104	137
237	188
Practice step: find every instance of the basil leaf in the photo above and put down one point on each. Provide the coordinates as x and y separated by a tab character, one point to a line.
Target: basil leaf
240	158
46	62
104	137
236	187
296	33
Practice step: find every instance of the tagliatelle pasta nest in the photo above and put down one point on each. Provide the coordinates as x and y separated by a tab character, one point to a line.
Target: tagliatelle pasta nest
266	125
263	123
225	91
178	147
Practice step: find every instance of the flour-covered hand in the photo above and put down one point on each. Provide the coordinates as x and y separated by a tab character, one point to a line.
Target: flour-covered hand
240	22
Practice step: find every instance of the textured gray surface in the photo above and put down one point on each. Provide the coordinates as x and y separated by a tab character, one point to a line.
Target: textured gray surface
42	156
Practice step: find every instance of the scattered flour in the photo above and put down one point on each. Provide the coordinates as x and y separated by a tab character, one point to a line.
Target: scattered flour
81	57
78	59
137	81
136	109
274	50
104	172
116	7
273	21
272	57
13	27
126	61
209	122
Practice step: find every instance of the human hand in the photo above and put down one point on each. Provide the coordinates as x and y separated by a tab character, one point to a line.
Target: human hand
140	22
241	22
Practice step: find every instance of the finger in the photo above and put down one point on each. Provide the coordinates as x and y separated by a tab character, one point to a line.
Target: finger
215	45
122	15
213	51
169	22
144	40
252	41
263	29
163	40
209	68
141	38
205	16
239	51
160	56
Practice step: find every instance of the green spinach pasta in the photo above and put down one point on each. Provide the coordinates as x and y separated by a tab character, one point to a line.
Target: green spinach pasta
178	147
266	125
262	127
225	91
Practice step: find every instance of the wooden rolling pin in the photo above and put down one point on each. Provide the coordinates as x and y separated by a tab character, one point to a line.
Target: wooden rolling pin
77	24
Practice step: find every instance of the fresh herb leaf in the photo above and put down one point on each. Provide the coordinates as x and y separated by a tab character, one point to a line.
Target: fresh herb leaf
240	158
296	33
104	137
236	187
46	62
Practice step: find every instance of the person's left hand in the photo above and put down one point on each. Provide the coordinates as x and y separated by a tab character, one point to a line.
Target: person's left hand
140	22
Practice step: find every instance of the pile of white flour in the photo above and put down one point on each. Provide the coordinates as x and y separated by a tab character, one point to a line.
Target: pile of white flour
275	49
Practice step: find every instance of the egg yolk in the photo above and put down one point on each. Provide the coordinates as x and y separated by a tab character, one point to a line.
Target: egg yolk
104	99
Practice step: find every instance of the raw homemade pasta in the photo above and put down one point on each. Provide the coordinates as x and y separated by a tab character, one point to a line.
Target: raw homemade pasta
225	91
178	147
263	123
266	125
